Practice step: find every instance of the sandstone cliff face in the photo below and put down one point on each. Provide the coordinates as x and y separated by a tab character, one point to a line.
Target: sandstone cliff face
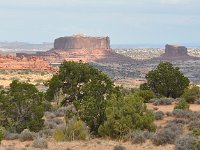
82	42
175	51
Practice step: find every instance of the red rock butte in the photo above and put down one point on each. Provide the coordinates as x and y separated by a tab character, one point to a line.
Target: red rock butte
70	48
173	52
82	42
81	47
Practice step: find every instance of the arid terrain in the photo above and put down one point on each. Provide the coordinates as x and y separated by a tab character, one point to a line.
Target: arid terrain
143	61
36	78
94	144
129	75
97	143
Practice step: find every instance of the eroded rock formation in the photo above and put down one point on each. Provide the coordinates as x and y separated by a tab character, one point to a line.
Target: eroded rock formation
81	42
74	48
175	51
25	63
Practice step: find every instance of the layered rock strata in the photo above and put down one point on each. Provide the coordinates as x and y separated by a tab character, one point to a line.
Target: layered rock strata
81	42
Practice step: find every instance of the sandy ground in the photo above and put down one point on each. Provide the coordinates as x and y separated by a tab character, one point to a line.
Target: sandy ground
34	78
94	144
169	108
129	82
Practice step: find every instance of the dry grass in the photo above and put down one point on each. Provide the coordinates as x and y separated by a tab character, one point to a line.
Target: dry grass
94	144
34	78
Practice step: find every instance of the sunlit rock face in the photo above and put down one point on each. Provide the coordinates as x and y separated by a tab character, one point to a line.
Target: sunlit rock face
81	42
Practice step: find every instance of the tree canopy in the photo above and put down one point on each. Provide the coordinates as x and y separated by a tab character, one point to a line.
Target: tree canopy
84	86
166	80
22	106
126	114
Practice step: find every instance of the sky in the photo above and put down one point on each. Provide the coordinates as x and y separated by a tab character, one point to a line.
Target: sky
124	21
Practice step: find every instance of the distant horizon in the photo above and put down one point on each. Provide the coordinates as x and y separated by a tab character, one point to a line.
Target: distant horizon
124	21
123	45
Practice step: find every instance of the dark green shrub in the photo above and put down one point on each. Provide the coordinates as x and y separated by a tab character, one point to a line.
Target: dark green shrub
146	95
22	107
125	114
191	94
167	80
182	105
84	86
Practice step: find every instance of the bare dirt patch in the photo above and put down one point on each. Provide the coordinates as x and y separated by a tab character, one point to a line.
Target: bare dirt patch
94	144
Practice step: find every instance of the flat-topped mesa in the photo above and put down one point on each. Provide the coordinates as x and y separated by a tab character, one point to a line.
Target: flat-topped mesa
82	42
172	51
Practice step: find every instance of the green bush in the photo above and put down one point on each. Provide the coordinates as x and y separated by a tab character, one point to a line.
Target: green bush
196	131
59	136
22	107
146	95
84	86
195	146
166	80
125	114
191	94
182	105
76	130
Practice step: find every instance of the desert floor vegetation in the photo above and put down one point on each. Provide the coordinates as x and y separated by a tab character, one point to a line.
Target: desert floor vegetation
83	109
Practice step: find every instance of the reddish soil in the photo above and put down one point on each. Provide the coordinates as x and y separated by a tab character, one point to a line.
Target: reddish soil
33	63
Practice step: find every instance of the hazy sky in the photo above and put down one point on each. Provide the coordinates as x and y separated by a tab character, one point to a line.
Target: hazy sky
124	21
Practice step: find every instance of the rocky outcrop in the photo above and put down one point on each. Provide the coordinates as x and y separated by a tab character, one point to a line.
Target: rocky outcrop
175	51
81	42
32	63
79	48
